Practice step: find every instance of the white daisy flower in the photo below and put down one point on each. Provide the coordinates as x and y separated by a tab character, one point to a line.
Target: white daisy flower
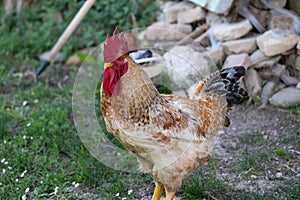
56	190
129	192
23	173
24	103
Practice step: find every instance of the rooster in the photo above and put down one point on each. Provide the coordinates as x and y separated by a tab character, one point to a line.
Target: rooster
170	136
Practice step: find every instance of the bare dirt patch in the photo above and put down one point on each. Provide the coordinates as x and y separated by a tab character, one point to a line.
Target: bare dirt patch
260	151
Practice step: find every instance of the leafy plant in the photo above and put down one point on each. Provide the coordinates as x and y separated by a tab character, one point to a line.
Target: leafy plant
38	27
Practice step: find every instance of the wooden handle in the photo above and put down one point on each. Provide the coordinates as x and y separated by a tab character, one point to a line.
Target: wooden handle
70	29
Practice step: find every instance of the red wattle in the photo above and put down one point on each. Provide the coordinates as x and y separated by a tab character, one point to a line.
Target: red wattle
112	78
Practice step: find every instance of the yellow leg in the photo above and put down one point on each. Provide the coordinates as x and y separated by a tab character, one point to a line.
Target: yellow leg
159	188
170	196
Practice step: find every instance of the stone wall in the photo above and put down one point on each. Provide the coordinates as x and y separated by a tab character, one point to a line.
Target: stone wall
261	35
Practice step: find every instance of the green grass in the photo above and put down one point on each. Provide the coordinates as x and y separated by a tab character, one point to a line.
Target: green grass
295	110
40	149
204	185
253	137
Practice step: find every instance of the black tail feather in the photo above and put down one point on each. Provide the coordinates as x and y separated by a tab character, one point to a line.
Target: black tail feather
231	78
225	83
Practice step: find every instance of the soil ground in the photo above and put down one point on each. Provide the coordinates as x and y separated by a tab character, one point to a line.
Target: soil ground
260	150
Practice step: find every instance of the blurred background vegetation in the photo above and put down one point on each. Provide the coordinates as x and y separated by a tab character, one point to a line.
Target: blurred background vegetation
25	35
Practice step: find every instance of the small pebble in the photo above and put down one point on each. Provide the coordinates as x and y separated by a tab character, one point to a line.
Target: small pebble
278	175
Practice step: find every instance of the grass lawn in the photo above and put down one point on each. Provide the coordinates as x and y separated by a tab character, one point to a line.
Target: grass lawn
41	155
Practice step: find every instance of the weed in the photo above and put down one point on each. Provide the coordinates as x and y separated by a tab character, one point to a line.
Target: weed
253	138
280	152
202	185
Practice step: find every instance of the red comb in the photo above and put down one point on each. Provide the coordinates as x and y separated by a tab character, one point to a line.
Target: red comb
114	46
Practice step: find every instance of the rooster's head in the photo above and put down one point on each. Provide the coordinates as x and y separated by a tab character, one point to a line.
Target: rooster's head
115	64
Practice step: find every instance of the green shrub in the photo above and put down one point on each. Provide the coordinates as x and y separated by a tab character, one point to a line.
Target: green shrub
34	31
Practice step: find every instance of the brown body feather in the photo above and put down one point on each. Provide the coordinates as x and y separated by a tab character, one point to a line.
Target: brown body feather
171	136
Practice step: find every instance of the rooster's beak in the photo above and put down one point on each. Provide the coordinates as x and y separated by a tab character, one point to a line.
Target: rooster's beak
106	65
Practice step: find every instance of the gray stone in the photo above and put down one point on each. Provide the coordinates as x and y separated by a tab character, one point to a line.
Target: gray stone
288	79
142	39
231	31
191	15
219	6
277	3
259	18
272	73
281	21
212	18
237	60
171	10
216	54
247	45
202	3
185	66
216	6
278	175
276	41
154	71
253	82
164	44
258	56
286	97
267	92
297	66
268	63
298	86
165	31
